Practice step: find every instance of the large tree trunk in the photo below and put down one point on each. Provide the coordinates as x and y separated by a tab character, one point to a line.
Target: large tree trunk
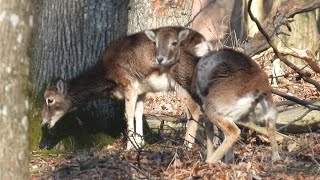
71	36
148	14
15	29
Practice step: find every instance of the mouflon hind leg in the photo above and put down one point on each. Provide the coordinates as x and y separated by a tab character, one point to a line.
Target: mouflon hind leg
271	127
231	134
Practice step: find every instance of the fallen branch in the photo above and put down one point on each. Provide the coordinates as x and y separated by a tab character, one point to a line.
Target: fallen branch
39	170
263	130
295	120
298	120
263	54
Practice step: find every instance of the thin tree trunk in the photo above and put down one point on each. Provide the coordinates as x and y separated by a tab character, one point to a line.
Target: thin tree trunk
214	19
15	29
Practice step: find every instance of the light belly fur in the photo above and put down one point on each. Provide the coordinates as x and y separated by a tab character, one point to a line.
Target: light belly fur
153	83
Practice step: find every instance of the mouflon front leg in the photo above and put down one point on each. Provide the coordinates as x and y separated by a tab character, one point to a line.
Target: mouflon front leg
139	121
193	116
131	97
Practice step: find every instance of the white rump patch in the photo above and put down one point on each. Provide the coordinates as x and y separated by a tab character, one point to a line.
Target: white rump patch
246	106
203	48
242	107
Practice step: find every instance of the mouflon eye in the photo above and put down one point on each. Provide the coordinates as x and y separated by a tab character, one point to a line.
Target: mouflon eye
174	44
50	101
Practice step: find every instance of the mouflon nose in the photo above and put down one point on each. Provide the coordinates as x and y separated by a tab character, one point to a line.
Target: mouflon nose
159	59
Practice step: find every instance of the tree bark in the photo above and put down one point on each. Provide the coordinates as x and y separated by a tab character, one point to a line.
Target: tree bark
71	36
16	21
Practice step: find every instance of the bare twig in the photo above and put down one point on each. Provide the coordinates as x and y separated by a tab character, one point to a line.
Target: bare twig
196	15
291	103
278	54
173	159
296	100
314	159
196	141
146	174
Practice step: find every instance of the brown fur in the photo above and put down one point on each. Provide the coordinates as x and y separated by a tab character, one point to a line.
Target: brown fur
230	87
124	71
182	67
225	78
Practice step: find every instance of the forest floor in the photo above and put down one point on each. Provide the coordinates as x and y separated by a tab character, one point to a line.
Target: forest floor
300	160
168	159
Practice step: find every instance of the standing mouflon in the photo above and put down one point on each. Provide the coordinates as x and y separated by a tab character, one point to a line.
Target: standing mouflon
125	72
229	86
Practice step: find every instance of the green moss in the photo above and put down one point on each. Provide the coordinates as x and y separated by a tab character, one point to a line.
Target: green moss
86	140
34	129
307	169
51	152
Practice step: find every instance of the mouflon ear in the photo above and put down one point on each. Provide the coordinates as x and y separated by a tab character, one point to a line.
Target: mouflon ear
62	87
183	34
151	35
